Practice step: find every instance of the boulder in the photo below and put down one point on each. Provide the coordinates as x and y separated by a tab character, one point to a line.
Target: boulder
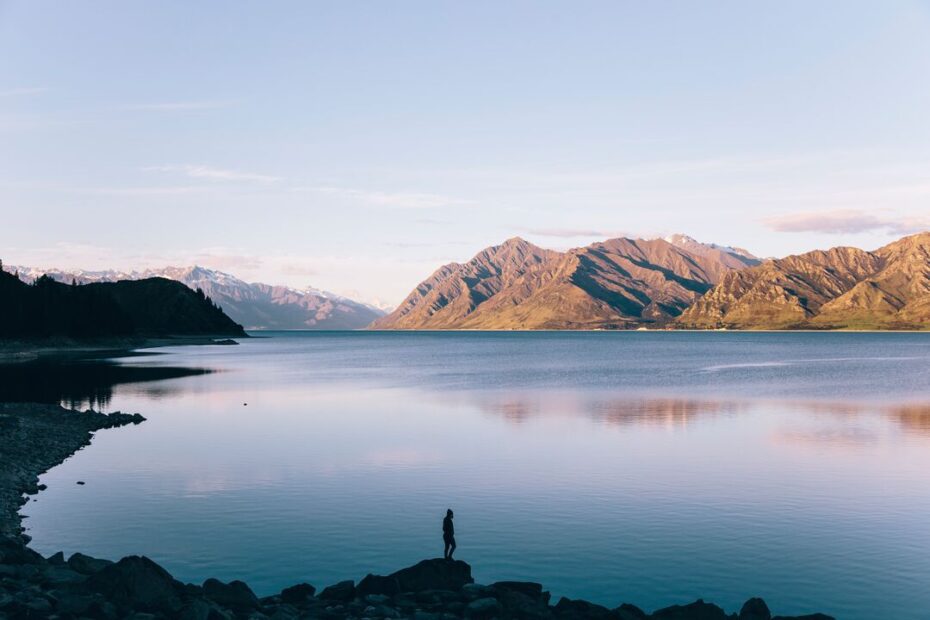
61	575
483	608
568	608
526	604
527	588
341	592
285	612
236	594
87	565
57	559
698	610
376	584
13	551
438	574
297	595
477	590
71	603
630	612
138	583
200	609
755	609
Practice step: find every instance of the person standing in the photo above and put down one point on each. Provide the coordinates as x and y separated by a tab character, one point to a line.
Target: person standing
448	535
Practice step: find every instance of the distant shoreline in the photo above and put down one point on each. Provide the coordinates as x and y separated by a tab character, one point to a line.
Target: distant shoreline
15	351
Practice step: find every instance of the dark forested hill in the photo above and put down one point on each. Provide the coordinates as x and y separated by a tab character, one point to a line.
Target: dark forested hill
150	307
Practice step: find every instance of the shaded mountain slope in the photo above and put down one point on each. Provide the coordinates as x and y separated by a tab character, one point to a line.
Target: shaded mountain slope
254	305
129	308
619	283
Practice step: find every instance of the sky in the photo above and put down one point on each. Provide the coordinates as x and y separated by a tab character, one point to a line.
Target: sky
357	146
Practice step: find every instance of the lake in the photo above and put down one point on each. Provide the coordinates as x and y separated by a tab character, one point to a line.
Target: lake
650	468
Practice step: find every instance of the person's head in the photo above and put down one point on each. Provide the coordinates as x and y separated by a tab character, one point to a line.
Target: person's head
449	513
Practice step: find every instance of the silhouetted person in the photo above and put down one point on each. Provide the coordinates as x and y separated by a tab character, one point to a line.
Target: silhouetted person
448	535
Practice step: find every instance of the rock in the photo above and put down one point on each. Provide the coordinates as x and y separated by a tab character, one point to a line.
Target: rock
297	595
516	604
527	588
435	574
61	575
380	611
38	606
57	558
41	487
376	584
285	612
138	583
236	594
755	609
698	610
87	565
200	609
341	592
483	608
568	608
630	612
13	551
80	482
71	603
477	590
374	599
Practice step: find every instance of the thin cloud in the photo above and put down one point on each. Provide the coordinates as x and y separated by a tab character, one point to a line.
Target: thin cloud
21	92
845	221
200	171
397	200
179	106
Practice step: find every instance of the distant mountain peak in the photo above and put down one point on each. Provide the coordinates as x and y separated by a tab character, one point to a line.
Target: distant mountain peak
254	305
516	285
690	243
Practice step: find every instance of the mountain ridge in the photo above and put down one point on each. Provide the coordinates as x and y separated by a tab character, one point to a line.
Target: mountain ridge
149	307
613	284
253	304
839	288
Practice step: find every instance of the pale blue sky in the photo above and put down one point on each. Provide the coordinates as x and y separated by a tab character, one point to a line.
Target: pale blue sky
356	146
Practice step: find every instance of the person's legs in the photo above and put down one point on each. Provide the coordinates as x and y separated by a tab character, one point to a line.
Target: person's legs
451	546
445	553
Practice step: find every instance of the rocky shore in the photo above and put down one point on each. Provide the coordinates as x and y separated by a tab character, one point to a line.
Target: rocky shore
34	438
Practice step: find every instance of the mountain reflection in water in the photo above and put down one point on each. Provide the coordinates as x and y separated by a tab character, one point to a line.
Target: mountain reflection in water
837	419
80	383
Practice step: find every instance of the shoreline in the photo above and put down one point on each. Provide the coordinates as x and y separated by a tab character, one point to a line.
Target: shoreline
36	437
19	351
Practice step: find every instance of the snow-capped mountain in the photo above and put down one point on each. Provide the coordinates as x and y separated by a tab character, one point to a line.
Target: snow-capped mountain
253	304
693	245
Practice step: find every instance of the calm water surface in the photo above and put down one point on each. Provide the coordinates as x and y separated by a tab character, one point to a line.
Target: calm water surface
651	468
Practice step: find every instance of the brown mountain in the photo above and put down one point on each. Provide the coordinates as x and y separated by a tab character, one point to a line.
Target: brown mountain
619	283
838	288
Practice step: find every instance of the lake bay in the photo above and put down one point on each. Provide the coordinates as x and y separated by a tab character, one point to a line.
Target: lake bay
650	468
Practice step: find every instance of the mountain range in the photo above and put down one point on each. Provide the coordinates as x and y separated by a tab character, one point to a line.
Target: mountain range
840	288
622	283
254	305
148	307
614	284
676	282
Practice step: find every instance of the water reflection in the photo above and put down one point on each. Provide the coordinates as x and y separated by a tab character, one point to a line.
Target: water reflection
81	383
834	422
913	418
